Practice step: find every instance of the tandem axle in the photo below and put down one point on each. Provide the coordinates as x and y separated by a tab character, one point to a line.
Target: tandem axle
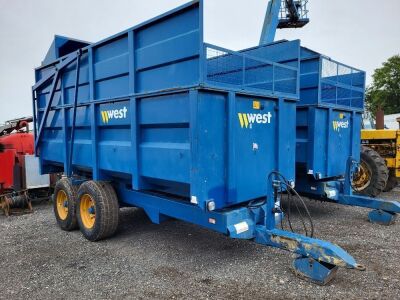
93	206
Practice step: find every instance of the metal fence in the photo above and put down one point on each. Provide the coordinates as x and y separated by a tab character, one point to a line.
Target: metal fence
247	72
341	85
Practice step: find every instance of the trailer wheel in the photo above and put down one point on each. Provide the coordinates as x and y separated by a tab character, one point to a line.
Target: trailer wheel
392	181
373	175
97	210
64	203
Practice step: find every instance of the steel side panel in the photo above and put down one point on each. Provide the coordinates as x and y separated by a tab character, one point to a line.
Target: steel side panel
320	144
160	55
326	138
211	148
286	131
165	147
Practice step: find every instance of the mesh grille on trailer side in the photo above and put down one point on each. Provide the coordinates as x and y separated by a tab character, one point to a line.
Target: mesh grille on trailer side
341	85
248	72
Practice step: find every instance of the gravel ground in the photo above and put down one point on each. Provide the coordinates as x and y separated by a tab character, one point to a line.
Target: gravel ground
176	260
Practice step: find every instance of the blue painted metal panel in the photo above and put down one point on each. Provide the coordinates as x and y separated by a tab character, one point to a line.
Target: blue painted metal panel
326	138
169	46
255	147
62	46
166	148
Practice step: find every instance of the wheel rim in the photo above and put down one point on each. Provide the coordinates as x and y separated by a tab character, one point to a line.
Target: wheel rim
87	211
363	178
62	205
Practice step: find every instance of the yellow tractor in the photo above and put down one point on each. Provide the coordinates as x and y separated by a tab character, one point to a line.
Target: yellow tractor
380	161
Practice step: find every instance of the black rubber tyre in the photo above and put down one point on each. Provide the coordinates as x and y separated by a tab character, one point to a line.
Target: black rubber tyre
64	204
378	173
97	210
392	181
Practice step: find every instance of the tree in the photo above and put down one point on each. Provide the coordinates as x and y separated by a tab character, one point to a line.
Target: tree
385	89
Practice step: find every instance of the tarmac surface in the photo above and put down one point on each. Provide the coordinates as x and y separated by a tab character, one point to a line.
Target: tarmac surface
176	260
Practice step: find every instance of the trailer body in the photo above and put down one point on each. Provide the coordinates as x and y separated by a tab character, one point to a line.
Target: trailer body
329	116
160	110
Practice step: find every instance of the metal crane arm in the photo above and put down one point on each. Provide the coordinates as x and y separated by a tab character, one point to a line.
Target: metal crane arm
271	22
283	14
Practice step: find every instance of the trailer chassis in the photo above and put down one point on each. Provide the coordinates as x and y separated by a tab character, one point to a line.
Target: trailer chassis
318	260
340	191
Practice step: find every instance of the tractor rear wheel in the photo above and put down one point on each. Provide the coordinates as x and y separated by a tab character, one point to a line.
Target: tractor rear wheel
392	181
64	203
373	175
97	210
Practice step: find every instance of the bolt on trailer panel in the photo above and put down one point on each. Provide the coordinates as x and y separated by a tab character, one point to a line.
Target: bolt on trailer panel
326	138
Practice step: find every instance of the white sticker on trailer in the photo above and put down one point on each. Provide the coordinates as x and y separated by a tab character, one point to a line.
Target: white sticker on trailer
241	227
193	200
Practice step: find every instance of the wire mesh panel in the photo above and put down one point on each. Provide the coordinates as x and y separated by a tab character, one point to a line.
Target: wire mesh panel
285	80
329	70
344	74
224	67
248	72
258	74
342	85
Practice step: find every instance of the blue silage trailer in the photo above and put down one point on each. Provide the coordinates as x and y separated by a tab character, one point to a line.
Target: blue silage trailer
328	128
329	116
155	118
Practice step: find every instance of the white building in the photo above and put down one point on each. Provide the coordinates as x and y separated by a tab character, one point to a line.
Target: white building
390	121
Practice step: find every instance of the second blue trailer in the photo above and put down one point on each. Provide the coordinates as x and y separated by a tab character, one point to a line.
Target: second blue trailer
328	131
328	128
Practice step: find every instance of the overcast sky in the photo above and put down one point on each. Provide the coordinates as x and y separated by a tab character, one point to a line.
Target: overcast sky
361	33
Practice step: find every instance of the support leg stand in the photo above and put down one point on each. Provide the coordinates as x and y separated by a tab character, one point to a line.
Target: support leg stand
312	270
382	217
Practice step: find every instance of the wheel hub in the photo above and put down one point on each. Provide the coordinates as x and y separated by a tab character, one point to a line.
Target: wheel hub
87	211
62	205
362	179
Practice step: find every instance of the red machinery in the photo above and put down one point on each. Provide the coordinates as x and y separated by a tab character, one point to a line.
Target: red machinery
16	149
